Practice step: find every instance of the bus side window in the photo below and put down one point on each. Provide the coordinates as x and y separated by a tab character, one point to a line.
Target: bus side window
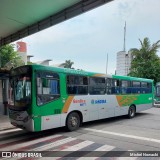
47	87
108	86
77	85
115	86
54	86
143	87
97	86
125	87
149	86
136	87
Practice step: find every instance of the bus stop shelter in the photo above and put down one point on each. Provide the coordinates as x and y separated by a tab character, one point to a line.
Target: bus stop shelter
4	83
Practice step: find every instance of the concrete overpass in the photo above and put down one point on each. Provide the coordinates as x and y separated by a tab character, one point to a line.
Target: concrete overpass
21	18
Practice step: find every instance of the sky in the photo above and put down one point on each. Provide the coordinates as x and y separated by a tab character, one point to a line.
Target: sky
88	38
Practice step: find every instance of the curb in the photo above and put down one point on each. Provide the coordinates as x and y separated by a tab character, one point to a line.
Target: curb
156	106
5	129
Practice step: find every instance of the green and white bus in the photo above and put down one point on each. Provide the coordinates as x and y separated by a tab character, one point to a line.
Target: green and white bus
43	97
157	95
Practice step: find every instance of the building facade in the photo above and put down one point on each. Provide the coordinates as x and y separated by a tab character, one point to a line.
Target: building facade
123	63
22	51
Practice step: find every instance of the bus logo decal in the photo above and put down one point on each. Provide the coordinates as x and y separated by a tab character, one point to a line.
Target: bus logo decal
81	102
99	101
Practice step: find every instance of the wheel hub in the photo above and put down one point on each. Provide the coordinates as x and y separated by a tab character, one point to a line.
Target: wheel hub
132	112
73	121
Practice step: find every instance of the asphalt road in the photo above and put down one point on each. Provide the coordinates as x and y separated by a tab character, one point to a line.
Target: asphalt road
141	133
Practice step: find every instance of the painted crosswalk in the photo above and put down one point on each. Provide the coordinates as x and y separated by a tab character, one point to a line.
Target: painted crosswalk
50	144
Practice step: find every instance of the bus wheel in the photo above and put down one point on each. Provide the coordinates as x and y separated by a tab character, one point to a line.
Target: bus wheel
131	111
73	121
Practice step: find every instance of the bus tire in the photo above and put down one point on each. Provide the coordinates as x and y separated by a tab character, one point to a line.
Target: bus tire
73	121
131	111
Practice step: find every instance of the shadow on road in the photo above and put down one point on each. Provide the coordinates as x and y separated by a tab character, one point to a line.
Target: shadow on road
62	130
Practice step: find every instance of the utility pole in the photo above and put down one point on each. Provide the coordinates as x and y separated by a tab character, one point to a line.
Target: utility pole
107	64
124	45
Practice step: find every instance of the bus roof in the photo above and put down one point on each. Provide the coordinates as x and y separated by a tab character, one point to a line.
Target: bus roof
132	78
86	73
68	70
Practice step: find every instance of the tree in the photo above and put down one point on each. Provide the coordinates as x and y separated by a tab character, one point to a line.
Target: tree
9	57
68	64
146	63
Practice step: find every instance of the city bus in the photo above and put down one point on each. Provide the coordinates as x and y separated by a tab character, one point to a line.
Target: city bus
157	95
44	97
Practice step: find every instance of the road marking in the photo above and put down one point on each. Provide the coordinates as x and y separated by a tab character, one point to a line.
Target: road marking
42	143
124	135
127	158
73	148
76	147
105	148
79	146
18	144
102	148
54	144
10	130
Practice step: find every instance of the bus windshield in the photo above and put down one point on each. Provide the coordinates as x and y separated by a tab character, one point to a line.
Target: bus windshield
158	91
20	91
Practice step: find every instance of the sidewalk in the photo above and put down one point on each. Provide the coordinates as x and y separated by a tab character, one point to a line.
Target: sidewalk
5	123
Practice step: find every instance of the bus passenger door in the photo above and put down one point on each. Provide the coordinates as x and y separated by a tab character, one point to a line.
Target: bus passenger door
102	112
106	108
48	99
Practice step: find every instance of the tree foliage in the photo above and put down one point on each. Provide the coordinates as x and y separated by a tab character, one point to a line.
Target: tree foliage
9	57
68	64
146	63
